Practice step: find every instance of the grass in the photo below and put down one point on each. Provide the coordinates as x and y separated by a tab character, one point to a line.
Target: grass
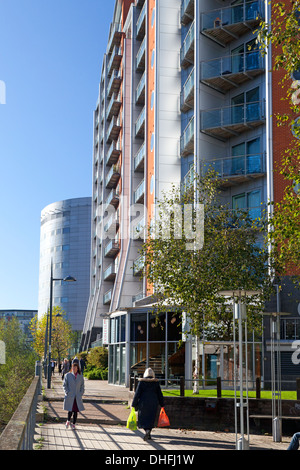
265	394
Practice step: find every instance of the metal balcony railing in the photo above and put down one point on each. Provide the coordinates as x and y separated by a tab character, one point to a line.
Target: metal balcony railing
187	48
140	57
140	124
187	139
225	73
236	169
139	192
187	11
187	93
140	158
232	120
224	25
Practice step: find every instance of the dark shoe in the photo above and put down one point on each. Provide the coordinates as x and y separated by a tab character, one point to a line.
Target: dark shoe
147	436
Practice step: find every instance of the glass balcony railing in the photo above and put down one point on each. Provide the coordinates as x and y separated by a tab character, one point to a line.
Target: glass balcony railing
139	158
187	139
115	60
187	93
114	105
224	25
110	272
140	123
140	57
107	297
140	90
236	168
112	248
228	72
113	130
113	153
229	120
138	265
112	177
140	24
139	192
115	36
187	11
114	83
187	48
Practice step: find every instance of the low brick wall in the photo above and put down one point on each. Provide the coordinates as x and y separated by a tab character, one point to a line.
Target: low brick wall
217	414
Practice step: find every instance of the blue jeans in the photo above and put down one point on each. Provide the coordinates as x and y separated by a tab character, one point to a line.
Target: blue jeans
294	444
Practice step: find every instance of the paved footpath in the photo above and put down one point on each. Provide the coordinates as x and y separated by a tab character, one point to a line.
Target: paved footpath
101	426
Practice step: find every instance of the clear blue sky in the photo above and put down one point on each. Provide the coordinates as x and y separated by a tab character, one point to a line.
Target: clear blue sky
51	55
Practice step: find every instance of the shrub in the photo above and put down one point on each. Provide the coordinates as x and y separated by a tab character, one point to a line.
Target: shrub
97	357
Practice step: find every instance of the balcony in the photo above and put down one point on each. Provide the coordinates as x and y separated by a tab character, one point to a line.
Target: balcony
187	11
139	159
229	121
229	72
107	297
187	93
115	60
113	177
237	169
115	36
139	193
187	48
110	272
228	24
140	57
113	153
113	198
114	83
141	23
114	106
140	91
140	124
187	139
112	249
113	222
138	266
139	230
113	129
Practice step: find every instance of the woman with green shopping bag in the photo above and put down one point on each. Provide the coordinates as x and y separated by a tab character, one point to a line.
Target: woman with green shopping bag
147	398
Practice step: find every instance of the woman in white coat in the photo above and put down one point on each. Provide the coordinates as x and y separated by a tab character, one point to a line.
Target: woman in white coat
74	389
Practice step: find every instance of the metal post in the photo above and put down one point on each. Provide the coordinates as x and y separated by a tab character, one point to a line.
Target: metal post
50	327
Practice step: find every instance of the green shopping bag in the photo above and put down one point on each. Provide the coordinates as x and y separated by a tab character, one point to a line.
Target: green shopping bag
131	422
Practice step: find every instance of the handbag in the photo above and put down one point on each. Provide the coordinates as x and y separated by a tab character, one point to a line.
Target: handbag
131	422
163	420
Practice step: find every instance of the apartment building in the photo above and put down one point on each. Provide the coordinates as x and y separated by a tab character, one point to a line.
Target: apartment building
183	87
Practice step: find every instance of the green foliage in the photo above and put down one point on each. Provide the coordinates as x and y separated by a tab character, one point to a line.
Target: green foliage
18	371
284	225
97	357
94	373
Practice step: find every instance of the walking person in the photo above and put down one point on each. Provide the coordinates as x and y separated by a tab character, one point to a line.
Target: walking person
294	444
65	368
52	366
74	389
146	399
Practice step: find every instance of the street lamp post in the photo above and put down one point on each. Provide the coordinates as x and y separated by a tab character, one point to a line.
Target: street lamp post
52	279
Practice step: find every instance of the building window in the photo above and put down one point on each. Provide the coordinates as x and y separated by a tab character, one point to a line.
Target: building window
152	58
153	18
251	201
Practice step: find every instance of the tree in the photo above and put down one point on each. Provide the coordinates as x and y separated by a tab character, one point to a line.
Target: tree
18	371
62	335
230	258
284	225
190	280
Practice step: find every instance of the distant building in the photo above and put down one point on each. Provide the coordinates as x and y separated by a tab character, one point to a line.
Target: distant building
23	316
66	238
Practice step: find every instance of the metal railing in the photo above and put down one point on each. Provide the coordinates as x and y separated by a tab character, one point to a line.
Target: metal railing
19	432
